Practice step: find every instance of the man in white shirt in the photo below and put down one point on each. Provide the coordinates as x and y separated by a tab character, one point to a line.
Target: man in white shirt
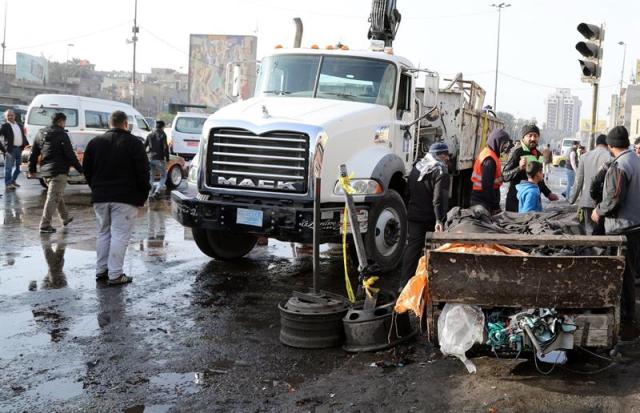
12	143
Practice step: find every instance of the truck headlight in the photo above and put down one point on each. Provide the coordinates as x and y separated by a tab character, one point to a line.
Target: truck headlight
192	177
360	187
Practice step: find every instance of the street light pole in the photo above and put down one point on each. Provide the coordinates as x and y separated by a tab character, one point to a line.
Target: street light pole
66	71
499	6
620	120
4	36
135	30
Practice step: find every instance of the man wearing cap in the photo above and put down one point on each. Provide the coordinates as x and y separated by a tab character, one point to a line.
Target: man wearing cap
589	165
487	172
428	203
620	211
514	170
58	156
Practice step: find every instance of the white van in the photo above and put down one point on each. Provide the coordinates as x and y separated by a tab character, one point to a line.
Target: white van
185	133
86	118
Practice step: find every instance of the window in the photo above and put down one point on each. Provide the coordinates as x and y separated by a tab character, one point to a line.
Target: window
404	94
189	125
96	120
329	77
142	124
42	116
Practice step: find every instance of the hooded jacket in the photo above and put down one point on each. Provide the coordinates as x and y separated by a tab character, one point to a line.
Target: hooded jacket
489	197
54	145
428	191
512	173
528	197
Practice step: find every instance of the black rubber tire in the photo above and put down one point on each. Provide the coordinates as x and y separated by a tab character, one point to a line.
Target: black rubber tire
223	245
397	237
170	184
43	183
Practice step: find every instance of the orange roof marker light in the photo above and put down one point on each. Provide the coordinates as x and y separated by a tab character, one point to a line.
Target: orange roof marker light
344	47
278	46
330	47
314	46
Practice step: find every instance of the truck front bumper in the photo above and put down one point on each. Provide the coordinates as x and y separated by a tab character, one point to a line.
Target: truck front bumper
292	223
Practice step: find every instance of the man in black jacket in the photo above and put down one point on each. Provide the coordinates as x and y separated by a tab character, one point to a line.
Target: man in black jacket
428	203
514	170
58	156
12	143
158	151
117	171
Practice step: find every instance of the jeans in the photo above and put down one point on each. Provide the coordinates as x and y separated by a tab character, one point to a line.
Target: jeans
12	160
55	200
415	248
161	167
114	225
571	177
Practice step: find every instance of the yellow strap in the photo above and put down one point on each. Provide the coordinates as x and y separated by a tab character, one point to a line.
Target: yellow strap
368	286
345	182
347	281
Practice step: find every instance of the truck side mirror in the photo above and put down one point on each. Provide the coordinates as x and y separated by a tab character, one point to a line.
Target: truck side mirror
232	81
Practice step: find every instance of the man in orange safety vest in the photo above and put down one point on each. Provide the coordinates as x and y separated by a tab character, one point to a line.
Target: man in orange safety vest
487	172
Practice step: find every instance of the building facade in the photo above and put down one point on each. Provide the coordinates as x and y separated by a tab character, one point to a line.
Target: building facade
563	112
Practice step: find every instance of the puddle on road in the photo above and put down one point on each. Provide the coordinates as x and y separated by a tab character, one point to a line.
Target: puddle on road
51	266
180	383
19	334
56	390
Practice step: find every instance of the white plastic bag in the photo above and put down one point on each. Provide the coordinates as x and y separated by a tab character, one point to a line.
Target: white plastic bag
460	326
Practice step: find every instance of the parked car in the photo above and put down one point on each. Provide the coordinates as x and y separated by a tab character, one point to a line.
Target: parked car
185	133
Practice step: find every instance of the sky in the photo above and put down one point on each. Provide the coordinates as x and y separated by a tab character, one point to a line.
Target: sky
537	51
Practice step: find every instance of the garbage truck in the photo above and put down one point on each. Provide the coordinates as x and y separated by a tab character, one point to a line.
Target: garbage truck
313	110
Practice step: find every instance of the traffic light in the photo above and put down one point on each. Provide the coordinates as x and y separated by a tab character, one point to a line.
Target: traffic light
591	49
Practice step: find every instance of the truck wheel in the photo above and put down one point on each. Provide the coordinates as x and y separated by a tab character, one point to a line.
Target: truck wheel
387	231
223	245
43	183
174	177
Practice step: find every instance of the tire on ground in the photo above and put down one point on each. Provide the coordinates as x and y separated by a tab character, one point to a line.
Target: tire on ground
175	169
223	245
386	235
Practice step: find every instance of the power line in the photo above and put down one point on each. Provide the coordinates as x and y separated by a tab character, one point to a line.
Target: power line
68	39
552	86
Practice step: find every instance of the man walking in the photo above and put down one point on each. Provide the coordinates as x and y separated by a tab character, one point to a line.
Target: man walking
54	145
547	160
514	169
619	209
428	203
117	171
158	151
487	172
14	141
571	166
590	164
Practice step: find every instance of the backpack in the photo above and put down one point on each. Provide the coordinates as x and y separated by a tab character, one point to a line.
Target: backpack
597	184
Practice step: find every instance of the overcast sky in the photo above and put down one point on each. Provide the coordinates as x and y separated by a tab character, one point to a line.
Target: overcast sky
537	50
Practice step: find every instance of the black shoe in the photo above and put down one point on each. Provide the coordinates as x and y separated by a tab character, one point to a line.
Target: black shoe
122	279
47	230
67	221
14	183
102	276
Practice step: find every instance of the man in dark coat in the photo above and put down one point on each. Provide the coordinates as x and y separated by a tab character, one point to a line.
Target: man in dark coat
428	203
117	171
12	143
487	172
158	151
58	156
514	170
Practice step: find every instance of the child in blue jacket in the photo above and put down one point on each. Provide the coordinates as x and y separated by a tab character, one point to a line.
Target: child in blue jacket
529	199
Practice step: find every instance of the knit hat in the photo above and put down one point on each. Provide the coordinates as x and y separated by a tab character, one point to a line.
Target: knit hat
57	117
531	128
438	148
601	139
618	137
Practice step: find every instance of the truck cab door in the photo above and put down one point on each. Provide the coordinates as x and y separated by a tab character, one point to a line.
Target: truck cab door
403	141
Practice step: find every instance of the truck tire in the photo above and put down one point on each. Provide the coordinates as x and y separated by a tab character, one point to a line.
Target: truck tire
223	245
174	177
386	235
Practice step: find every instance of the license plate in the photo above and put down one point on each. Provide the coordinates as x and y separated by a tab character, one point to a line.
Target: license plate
193	144
251	217
363	219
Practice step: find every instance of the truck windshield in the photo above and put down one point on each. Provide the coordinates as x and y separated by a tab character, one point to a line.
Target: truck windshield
330	77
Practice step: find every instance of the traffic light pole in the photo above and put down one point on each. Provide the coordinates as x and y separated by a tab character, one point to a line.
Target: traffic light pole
594	116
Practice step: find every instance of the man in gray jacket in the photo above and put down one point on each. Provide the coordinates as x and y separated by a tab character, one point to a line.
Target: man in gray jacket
619	209
590	164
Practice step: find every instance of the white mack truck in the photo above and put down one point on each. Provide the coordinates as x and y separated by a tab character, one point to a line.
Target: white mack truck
312	111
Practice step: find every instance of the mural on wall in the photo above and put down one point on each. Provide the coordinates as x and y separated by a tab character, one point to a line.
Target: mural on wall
209	56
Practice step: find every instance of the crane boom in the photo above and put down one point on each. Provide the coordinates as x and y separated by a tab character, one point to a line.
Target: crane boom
384	19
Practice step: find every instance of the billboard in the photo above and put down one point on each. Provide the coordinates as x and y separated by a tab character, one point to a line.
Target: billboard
209	56
31	68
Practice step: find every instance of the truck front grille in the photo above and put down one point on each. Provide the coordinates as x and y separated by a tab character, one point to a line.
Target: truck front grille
275	161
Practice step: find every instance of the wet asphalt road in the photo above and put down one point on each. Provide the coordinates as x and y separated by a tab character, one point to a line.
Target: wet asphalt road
192	334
